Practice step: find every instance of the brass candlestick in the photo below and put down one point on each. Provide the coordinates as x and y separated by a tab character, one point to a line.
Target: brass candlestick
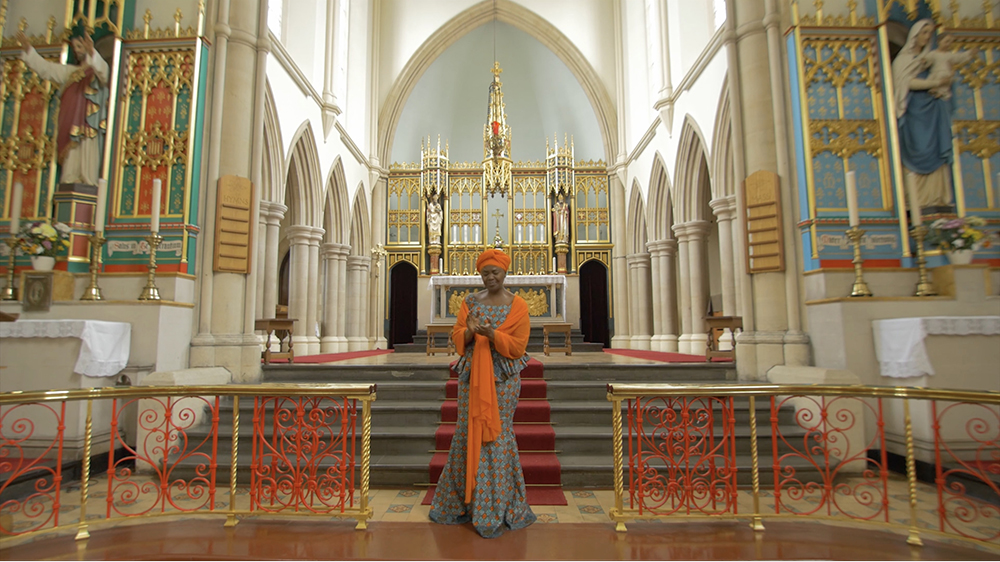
150	292
9	292
93	291
860	288
924	286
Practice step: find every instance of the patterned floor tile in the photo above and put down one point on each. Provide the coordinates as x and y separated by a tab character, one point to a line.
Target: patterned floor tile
590	509
583	494
408	493
399	508
547	517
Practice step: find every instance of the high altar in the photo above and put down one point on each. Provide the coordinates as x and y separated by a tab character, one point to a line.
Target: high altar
551	217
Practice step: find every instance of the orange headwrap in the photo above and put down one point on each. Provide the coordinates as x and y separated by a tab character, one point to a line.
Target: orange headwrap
493	257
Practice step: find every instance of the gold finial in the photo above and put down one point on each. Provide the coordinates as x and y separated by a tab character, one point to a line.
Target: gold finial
201	17
496	70
988	12
50	28
819	11
852	6
146	20
22	25
178	16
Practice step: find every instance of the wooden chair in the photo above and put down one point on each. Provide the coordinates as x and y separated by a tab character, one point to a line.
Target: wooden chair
558	328
439	330
716	328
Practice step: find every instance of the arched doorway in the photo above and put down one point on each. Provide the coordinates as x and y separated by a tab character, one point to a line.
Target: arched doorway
284	278
594	303
402	303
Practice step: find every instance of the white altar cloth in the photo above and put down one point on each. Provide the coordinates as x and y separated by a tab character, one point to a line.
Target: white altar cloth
899	342
104	348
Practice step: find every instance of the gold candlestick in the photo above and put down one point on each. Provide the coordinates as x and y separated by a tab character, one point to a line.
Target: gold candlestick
93	291
150	292
924	286
9	292
860	288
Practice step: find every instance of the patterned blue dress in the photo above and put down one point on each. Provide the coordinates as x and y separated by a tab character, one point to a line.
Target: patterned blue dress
498	500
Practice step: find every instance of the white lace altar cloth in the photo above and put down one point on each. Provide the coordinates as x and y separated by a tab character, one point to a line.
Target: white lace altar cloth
899	342
104	347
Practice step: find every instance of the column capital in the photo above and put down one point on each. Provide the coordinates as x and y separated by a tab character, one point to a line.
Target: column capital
304	234
637	260
724	207
358	262
332	250
691	230
665	246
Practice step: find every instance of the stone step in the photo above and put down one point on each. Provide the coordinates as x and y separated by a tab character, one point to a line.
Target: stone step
534	347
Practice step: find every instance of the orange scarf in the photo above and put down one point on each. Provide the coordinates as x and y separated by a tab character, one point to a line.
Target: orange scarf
510	340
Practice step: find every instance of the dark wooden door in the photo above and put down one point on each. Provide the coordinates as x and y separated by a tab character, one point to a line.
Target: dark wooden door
402	303
594	303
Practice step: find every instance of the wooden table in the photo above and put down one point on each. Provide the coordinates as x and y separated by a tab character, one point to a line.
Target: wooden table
558	328
282	328
716	327
436	330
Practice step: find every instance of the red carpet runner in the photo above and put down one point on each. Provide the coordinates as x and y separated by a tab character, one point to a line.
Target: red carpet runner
536	440
665	357
332	357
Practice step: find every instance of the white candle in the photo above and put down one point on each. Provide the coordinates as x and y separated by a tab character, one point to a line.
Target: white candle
475	233
465	233
852	200
154	212
15	208
102	205
911	194
454	233
553	265
531	235
519	234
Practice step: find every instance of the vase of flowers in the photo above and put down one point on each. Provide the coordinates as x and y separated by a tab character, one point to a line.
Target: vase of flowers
43	242
958	238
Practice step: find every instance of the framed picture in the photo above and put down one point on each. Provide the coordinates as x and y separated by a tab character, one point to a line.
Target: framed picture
36	292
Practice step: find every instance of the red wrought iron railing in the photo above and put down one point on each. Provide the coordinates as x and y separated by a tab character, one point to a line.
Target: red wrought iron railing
692	451
166	457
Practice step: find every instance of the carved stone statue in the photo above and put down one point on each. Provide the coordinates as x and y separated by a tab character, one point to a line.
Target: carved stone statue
83	107
560	221
435	217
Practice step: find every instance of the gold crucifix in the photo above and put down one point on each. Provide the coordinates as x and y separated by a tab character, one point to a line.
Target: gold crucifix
497	240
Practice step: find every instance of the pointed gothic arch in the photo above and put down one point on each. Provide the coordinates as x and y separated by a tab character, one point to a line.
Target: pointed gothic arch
273	166
360	239
636	221
660	210
690	168
512	13
723	174
336	208
303	162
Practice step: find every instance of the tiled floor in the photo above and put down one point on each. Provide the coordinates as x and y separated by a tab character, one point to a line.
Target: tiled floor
583	506
554	359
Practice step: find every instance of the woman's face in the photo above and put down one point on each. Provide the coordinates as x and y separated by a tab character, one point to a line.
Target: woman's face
923	37
493	277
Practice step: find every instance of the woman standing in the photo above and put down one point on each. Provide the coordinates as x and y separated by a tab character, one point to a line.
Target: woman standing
924	119
482	481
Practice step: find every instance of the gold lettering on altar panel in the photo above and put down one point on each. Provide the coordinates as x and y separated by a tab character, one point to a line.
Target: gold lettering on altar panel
233	225
764	246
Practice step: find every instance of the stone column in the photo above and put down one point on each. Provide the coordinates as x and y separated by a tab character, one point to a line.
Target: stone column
683	287
725	211
619	266
657	295
334	258
225	315
271	265
641	340
260	257
313	295
298	284
697	254
668	299
331	106
378	269
341	330
633	300
365	289
356	339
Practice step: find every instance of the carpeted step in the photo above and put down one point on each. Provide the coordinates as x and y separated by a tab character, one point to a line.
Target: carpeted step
530	389
529	437
533	411
539	468
533	370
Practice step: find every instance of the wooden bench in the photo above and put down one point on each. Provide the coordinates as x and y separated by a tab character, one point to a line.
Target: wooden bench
439	330
558	328
283	327
716	328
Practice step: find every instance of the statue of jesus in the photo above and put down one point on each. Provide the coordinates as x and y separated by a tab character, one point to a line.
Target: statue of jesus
83	107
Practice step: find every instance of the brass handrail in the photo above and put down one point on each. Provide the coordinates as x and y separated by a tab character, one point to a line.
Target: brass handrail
626	391
358	391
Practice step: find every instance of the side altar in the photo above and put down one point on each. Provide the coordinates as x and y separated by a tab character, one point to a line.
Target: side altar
545	295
